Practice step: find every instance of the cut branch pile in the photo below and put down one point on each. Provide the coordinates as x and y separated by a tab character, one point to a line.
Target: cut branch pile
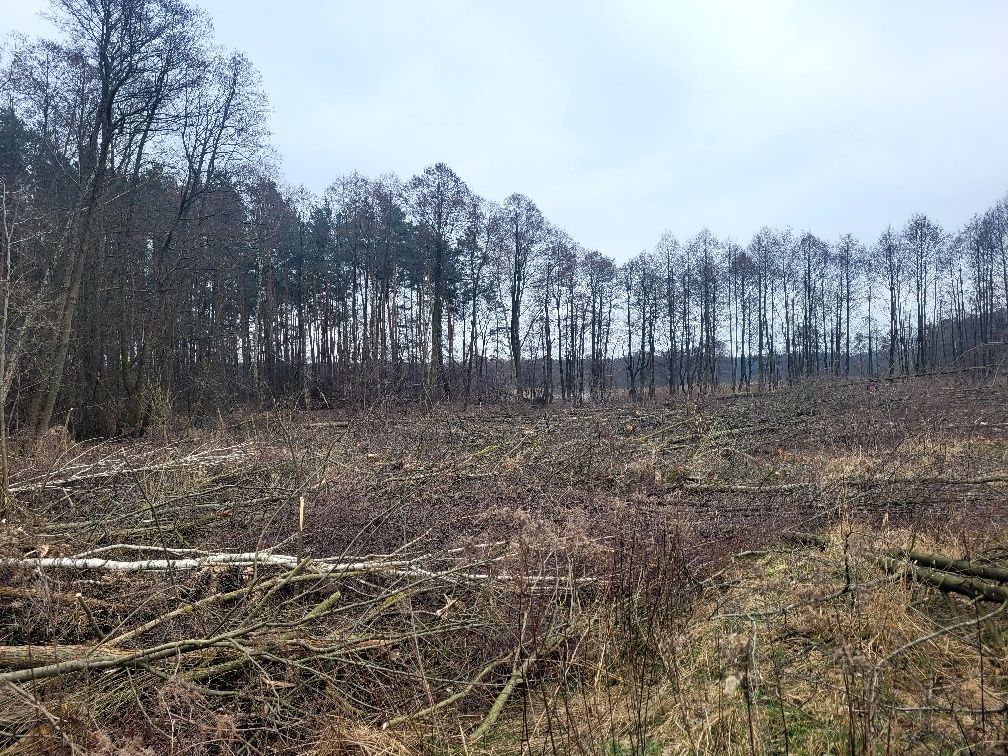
315	626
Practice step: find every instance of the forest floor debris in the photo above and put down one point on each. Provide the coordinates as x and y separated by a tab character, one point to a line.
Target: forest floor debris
739	574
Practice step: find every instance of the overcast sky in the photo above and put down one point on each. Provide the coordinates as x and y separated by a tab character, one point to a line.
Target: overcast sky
622	119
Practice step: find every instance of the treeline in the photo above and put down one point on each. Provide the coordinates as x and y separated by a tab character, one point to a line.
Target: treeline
155	261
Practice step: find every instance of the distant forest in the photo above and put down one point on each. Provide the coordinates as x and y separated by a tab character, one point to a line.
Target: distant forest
155	262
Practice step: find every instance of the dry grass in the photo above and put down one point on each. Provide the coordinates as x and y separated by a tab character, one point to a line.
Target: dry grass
816	653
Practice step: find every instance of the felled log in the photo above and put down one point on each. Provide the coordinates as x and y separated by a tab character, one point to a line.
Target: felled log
981	582
103	658
26	657
407	568
948	582
177	564
961	566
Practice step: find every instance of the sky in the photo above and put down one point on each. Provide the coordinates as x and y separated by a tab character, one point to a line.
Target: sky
625	119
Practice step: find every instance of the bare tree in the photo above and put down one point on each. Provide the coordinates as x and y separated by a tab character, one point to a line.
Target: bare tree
120	48
923	240
526	232
438	198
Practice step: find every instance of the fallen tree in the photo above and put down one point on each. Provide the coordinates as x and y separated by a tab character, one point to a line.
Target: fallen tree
982	582
948	582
